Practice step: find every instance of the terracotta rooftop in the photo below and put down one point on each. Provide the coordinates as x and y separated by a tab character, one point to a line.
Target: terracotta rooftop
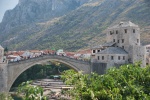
84	51
35	51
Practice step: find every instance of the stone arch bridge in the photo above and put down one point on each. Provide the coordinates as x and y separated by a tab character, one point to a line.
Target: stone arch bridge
10	71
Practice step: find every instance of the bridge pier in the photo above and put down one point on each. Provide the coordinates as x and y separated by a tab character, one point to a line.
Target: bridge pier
3	77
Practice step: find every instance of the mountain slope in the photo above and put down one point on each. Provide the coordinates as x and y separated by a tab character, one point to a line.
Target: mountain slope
84	26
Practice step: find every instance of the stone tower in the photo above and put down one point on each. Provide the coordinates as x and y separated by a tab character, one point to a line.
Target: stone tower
126	35
3	71
1	54
122	46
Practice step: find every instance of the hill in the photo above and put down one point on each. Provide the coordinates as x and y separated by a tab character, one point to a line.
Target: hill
81	26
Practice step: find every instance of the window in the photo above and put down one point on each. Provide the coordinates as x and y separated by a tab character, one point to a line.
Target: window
93	51
123	57
125	30
133	30
102	57
111	32
114	40
98	57
118	41
122	40
112	57
116	31
118	57
137	40
98	50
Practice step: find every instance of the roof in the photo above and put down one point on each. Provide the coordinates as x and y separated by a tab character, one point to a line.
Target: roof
113	50
86	51
108	44
124	24
20	52
1	47
11	57
147	45
35	51
97	47
48	51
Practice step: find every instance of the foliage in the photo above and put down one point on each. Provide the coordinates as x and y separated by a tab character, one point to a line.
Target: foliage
5	96
6	49
129	82
77	29
29	92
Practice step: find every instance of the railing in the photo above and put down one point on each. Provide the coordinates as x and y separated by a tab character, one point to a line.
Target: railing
50	55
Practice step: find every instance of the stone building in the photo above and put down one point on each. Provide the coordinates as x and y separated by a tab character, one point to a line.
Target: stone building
3	70
122	46
147	54
1	54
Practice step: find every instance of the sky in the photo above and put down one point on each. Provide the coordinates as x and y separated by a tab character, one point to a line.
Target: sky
6	5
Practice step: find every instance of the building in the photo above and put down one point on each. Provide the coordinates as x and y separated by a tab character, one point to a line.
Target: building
147	54
1	54
83	54
122	46
61	52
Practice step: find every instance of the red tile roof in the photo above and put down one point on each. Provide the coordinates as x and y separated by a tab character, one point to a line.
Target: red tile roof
87	51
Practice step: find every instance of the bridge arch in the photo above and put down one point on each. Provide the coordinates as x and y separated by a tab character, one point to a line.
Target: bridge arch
15	69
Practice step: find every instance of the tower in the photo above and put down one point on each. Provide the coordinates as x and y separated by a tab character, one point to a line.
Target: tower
124	34
3	71
1	54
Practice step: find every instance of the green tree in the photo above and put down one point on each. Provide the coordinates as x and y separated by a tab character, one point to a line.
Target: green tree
5	96
29	92
129	82
5	49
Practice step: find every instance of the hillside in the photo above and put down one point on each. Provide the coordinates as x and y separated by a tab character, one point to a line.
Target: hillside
81	26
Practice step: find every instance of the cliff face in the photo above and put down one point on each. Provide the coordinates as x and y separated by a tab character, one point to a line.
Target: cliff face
30	11
69	24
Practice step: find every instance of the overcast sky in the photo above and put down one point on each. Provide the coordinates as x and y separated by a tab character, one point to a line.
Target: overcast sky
5	5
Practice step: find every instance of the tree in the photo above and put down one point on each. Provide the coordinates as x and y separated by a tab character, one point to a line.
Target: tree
5	96
29	92
129	82
5	49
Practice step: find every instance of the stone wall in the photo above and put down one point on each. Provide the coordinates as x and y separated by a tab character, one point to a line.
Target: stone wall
99	68
139	54
3	77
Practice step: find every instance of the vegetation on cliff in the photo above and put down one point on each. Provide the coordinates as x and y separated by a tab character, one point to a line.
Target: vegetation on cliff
80	27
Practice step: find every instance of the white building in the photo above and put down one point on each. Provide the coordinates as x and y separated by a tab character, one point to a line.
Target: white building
35	53
123	46
61	52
